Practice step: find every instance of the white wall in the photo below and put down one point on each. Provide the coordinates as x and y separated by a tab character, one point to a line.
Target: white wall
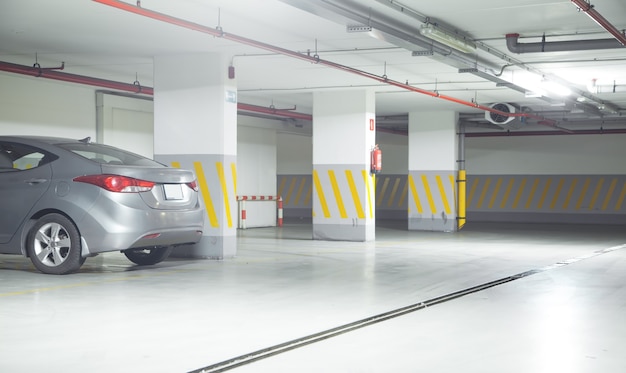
526	155
35	106
395	150
126	122
294	154
256	173
540	155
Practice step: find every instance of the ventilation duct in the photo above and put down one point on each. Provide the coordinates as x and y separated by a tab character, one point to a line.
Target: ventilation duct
510	122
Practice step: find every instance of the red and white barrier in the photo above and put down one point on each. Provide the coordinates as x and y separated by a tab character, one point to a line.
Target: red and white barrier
242	206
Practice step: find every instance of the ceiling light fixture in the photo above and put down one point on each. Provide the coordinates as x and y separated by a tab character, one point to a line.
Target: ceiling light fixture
457	42
555	88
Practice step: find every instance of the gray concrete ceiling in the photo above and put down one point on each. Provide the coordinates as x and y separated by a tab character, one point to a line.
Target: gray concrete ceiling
98	40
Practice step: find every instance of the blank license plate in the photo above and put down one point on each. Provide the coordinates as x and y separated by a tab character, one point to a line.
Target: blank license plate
173	191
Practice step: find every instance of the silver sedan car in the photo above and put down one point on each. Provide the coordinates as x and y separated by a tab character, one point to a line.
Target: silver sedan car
63	200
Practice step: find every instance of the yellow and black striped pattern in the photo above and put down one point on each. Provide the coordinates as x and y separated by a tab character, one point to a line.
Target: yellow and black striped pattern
547	193
342	192
217	184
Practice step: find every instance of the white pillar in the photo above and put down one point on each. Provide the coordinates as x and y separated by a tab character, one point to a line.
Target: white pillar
344	134
195	127
433	155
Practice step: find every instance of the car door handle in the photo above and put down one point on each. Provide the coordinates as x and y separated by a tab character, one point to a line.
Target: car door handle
36	181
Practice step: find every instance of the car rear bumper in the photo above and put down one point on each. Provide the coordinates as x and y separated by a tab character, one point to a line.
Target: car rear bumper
124	227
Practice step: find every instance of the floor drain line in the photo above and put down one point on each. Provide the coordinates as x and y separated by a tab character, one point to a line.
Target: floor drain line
326	334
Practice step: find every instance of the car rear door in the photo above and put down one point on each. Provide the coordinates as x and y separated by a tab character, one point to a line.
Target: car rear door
19	191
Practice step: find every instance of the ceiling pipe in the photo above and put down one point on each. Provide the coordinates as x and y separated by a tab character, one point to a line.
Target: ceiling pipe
600	20
559	46
306	57
73	78
494	76
545	133
274	111
133	88
594	87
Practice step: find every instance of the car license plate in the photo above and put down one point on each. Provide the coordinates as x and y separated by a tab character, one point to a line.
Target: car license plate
173	191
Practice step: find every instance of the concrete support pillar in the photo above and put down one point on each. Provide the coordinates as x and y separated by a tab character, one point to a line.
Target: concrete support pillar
195	127
433	155
344	134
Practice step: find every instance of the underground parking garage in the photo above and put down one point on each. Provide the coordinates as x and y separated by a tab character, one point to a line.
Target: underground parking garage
489	238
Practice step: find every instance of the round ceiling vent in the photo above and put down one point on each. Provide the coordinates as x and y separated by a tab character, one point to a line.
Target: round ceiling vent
497	118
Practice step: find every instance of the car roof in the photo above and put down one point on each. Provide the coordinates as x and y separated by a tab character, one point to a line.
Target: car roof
45	139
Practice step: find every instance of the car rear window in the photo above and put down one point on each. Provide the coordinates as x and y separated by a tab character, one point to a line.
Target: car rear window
107	154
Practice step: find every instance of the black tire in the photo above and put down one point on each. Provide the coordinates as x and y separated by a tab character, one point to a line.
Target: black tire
53	245
148	255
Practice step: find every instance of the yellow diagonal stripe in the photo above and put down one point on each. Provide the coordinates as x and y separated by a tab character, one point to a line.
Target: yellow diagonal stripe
220	174
557	193
416	198
320	194
281	187
583	192
405	192
454	191
570	192
206	195
337	193
507	192
609	194
495	193
596	192
292	185
532	194
370	203
394	190
620	200
483	192
300	189
520	190
472	191
442	191
381	194
309	193
355	195
175	164
544	193
233	171
429	195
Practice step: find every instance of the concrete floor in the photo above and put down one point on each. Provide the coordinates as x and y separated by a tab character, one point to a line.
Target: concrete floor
491	298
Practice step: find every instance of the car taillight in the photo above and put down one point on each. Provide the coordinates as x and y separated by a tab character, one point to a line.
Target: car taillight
193	185
117	183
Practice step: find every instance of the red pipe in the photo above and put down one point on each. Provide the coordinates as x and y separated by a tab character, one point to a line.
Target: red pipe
313	59
73	78
273	111
134	88
545	133
600	20
47	73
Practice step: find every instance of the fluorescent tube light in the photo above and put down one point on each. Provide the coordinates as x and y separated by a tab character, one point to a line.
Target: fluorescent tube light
555	88
454	41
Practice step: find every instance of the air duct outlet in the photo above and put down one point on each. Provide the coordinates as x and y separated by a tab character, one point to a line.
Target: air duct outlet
501	119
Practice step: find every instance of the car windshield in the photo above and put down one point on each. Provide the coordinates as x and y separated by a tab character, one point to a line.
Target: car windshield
107	154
